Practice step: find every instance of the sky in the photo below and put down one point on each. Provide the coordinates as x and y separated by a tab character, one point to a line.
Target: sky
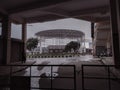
69	23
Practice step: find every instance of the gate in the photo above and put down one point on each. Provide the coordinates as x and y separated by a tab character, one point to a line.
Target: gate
100	77
33	77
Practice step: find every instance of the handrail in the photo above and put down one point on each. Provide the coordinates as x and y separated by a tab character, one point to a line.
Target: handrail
107	69
51	76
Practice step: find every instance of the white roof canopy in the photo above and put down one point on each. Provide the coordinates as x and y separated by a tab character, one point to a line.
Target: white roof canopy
60	33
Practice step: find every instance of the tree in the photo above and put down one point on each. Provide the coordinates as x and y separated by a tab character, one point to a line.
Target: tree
73	45
32	43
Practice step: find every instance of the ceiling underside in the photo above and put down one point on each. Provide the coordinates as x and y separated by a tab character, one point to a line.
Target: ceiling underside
32	11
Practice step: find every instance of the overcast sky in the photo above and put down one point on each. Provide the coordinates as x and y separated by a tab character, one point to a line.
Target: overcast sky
70	23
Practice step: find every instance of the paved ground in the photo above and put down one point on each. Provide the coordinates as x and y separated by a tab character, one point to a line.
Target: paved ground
91	84
68	72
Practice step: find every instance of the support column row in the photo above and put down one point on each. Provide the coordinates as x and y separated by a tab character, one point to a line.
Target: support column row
6	41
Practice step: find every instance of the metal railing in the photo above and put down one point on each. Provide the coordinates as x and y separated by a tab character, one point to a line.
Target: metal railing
11	73
51	55
109	77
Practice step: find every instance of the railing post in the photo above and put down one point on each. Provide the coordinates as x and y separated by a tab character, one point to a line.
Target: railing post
82	67
30	77
10	75
51	78
75	78
10	70
14	73
109	82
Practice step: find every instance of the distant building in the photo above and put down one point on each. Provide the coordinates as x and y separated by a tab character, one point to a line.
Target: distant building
102	41
89	49
44	50
56	48
54	41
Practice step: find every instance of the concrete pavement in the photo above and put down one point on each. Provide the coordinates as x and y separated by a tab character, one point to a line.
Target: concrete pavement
91	84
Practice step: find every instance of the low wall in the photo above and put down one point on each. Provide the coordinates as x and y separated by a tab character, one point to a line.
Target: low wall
16	50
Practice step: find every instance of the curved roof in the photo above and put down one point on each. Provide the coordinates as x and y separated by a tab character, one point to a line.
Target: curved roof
60	33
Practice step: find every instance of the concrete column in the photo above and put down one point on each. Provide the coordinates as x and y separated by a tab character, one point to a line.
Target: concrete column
92	30
115	21
108	48
24	33
108	44
40	40
6	37
92	36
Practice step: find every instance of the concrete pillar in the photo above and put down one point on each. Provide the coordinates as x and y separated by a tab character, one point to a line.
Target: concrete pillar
108	48
24	33
6	39
40	41
92	30
92	36
115	21
108	43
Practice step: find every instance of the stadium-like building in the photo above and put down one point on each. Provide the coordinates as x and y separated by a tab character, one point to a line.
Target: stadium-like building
54	41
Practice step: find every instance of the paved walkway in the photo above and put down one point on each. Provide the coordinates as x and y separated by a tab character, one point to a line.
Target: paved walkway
92	84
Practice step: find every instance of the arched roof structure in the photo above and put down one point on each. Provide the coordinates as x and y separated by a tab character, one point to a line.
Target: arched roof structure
60	33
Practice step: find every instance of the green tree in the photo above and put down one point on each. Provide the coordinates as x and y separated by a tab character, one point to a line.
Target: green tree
31	43
73	45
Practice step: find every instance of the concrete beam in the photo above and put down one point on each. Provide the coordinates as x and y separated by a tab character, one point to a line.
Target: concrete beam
34	5
102	10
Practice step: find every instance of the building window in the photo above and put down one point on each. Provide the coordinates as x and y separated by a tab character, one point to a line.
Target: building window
60	50
56	50
51	51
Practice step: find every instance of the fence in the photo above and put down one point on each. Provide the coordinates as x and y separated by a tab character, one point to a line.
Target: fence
104	74
13	76
51	55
